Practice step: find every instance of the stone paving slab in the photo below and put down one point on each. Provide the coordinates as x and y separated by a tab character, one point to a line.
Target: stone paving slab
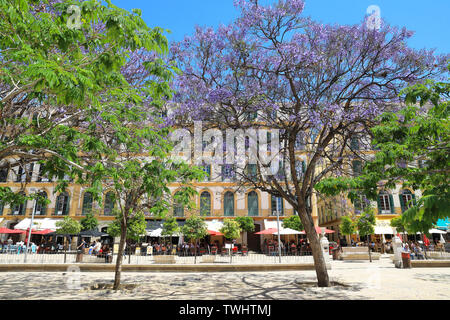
362	280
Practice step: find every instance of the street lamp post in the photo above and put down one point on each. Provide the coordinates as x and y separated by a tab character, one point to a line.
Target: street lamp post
278	227
29	237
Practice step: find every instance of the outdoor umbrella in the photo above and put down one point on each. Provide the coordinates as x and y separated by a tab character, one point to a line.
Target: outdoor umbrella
42	232
92	233
215	233
267	231
6	230
287	231
319	230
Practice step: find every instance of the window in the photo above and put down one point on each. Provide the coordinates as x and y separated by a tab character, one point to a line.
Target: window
251	115
357	168
3	174
407	199
228	172
178	209
25	175
40	208
277	204
354	143
252	171
228	204
300	168
62	205
252	200
360	203
109	204
87	203
42	177
299	142
19	209
385	203
205	204
207	169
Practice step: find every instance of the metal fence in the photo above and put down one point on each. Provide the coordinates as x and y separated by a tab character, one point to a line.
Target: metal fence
17	257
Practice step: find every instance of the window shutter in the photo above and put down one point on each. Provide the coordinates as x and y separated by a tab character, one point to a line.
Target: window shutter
379	203
391	203
402	202
413	198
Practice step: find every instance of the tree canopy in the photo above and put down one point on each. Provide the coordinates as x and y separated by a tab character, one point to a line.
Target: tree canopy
314	85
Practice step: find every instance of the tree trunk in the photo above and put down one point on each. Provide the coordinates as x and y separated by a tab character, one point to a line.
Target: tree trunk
123	236
319	260
369	245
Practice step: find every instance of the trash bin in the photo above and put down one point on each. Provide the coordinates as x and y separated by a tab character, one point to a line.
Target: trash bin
406	259
79	256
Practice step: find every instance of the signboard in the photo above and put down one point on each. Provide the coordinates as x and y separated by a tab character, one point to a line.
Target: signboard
116	247
228	245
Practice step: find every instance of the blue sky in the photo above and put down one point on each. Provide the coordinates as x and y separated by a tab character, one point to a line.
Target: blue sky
430	20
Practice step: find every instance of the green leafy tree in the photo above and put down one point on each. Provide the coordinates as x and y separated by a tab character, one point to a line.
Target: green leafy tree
246	224
170	227
347	226
194	229
366	225
89	222
231	229
135	227
293	222
412	148
68	226
61	85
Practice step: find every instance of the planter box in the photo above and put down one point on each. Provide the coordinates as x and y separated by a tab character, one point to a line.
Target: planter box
164	259
208	259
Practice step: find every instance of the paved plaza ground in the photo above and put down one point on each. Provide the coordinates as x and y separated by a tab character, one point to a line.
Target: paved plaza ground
360	280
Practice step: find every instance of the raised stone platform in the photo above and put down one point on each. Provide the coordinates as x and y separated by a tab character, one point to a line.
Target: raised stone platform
430	263
358	253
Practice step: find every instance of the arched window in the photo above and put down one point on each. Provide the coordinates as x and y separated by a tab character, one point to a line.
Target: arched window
109	204
62	205
252	200
277	204
385	203
407	199
40	208
19	209
228	204
87	203
205	204
178	208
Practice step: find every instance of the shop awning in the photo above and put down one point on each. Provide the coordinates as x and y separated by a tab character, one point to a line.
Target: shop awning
437	231
214	225
155	228
383	230
38	224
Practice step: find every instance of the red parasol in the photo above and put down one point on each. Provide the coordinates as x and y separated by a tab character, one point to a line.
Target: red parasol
268	231
42	232
215	233
6	230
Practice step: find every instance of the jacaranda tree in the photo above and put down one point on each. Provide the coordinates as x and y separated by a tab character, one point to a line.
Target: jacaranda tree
318	84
